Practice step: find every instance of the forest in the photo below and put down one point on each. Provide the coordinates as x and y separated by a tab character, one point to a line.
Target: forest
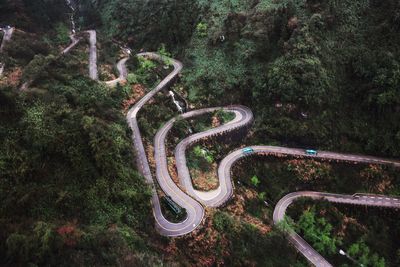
316	73
322	73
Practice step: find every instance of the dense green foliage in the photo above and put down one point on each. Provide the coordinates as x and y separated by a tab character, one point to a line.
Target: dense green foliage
202	154
149	23
68	183
32	15
24	48
249	247
317	231
320	73
323	59
329	231
65	157
366	235
277	177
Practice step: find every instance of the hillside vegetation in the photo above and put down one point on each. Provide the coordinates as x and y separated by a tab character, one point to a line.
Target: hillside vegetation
68	185
316	73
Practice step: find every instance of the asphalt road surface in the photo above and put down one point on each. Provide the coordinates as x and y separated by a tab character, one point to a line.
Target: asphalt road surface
6	37
213	198
93	72
92	52
189	198
123	73
74	42
193	200
93	55
224	172
194	210
358	199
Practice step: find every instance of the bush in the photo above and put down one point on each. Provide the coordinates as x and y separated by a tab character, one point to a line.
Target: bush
223	222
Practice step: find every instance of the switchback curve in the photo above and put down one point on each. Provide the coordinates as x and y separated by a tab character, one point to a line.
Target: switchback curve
195	211
243	117
213	198
93	72
225	190
224	173
357	199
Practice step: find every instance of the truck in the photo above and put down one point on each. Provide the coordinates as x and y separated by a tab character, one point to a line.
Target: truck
311	152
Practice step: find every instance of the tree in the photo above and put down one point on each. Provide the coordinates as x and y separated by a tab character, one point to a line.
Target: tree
255	181
300	80
37	67
201	28
62	37
223	222
318	232
155	22
362	253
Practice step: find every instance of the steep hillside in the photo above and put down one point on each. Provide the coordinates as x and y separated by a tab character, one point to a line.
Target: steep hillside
316	73
320	73
32	16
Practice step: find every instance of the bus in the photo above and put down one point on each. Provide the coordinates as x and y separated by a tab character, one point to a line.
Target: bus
172	205
247	150
311	152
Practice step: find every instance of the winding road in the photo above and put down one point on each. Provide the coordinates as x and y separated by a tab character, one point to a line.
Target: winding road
224	173
357	199
193	200
217	197
93	72
195	212
123	73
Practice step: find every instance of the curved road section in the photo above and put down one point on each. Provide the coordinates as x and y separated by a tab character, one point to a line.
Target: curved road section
224	173
74	42
93	72
192	198
213	198
243	117
123	73
358	199
195	212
